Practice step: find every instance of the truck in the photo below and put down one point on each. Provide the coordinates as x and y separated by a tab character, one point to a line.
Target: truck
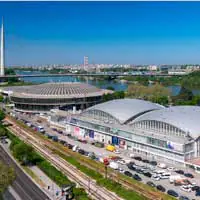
173	178
110	148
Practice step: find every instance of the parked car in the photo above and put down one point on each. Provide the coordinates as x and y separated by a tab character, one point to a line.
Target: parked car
151	184
172	193
137	177
186	188
130	166
99	144
114	165
162	165
55	138
122	162
81	151
154	163
179	172
183	198
117	151
189	175
121	170
127	173
92	155
137	158
195	188
145	161
170	168
197	194
86	153
75	148
62	142
148	174
161	188
138	170
70	146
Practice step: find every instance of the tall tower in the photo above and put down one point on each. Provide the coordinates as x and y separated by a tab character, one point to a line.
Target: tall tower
2	51
85	62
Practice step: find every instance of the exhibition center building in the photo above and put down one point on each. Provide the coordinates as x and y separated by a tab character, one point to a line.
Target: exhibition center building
171	134
44	97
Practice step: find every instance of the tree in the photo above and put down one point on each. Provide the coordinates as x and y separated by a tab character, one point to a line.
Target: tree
2	115
185	94
2	131
25	154
7	175
110	88
114	95
156	93
1	98
163	100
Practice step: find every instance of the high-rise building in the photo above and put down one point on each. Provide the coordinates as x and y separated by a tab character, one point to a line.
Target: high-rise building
2	52
85	62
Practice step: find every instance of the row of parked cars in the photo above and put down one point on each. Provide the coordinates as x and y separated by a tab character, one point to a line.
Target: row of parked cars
186	185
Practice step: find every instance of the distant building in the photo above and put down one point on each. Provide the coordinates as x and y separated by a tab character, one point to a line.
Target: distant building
85	62
152	67
169	135
2	73
44	97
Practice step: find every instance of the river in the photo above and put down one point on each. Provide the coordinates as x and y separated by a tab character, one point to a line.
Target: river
117	85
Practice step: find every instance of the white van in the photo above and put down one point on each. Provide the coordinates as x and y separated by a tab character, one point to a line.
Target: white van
162	165
75	148
114	165
165	175
160	171
174	178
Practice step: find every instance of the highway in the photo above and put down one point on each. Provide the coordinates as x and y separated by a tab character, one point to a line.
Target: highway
23	185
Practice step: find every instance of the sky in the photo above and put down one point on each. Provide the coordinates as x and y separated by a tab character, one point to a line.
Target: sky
106	32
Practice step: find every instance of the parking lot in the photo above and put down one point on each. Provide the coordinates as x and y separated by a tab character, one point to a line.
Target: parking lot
137	166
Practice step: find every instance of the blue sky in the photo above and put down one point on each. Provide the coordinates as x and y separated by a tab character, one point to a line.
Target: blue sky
108	32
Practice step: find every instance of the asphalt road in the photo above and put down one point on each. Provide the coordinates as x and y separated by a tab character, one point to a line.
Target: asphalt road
23	185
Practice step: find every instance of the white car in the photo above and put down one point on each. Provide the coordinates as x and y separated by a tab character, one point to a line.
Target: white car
117	151
121	170
122	162
186	188
162	165
157	178
171	169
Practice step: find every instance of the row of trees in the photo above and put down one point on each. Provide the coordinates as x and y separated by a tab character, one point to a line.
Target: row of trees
155	93
114	95
7	174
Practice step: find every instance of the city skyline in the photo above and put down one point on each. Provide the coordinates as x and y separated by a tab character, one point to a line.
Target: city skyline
107	32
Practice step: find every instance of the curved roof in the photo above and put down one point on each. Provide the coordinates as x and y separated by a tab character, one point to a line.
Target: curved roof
126	109
57	90
186	118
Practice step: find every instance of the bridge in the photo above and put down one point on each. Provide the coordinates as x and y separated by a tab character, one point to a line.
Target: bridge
86	74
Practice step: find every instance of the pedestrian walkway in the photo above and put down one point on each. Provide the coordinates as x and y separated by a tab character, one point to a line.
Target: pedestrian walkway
50	186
